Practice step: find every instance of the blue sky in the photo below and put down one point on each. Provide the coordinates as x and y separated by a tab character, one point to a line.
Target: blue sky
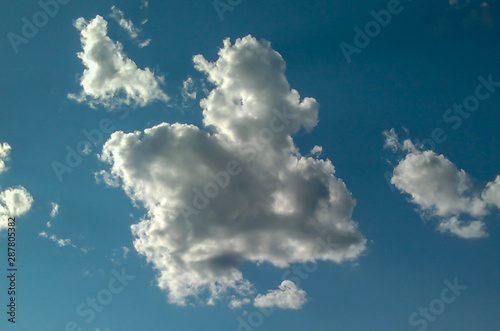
178	96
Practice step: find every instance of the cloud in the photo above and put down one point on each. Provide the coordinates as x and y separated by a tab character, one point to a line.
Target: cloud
240	193
112	79
288	296
14	202
238	303
459	3
126	250
440	189
474	229
55	209
316	151
59	241
492	193
188	90
4	156
128	26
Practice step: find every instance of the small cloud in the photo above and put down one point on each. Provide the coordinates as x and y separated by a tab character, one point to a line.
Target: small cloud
111	79
86	149
55	209
472	230
4	156
288	296
316	151
188	91
14	202
128	26
237	303
107	178
59	241
126	250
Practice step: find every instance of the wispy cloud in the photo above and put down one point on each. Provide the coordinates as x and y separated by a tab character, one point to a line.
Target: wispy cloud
55	209
59	241
128	26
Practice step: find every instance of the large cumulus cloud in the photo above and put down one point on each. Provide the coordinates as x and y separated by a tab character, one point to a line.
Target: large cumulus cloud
240	191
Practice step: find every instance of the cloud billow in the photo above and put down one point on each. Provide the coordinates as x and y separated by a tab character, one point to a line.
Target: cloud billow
241	193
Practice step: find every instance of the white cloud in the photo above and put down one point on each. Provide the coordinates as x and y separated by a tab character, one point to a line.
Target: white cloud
440	189
272	209
4	156
59	241
55	209
288	296
317	150
14	202
128	26
474	229
238	303
188	90
111	78
437	186
106	178
126	250
492	193
391	140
